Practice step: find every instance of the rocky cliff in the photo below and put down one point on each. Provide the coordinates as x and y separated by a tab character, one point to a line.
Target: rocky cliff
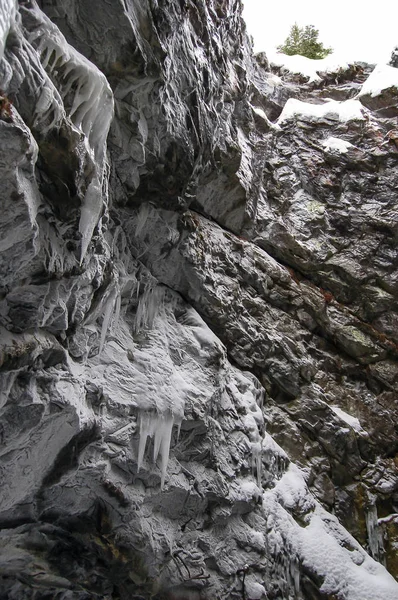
199	311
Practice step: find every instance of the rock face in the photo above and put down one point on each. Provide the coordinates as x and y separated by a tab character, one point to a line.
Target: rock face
198	312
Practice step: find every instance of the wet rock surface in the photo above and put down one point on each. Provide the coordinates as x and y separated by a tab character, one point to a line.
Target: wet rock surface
198	312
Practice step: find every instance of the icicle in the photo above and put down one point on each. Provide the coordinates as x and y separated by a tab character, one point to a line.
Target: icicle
142	218
149	306
7	16
109	308
162	443
147	425
257	461
118	306
89	215
160	428
375	540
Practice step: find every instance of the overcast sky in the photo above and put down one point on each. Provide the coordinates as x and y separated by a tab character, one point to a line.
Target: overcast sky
353	28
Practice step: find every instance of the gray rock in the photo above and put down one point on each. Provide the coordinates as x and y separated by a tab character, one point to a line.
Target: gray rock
198	310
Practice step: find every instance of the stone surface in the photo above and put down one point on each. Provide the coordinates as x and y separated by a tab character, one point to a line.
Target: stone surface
198	313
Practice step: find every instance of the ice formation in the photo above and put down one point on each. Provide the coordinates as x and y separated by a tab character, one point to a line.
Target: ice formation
87	98
343	111
7	15
91	108
159	427
149	305
375	538
112	308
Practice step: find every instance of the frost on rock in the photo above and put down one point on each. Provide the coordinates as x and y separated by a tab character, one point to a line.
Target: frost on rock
338	111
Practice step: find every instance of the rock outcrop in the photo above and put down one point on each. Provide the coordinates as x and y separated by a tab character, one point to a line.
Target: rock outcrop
198	311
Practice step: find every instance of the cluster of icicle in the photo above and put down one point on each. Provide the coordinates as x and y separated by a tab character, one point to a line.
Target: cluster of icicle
159	427
90	109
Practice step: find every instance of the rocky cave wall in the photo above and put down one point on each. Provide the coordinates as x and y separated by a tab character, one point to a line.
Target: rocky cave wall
198	312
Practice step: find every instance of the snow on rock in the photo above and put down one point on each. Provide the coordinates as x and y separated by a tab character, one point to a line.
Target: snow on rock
323	545
308	67
342	111
382	78
351	421
260	113
337	144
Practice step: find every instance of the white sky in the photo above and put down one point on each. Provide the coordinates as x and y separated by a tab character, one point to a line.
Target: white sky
353	28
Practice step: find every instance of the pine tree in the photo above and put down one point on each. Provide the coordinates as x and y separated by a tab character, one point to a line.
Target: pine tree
304	41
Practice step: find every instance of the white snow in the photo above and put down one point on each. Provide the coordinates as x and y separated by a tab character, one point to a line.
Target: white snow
392	517
381	78
337	144
308	67
323	545
351	421
343	111
259	112
7	15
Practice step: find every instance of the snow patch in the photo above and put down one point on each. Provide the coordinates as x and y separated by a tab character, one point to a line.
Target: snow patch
337	144
381	78
322	545
347	110
260	113
308	67
351	421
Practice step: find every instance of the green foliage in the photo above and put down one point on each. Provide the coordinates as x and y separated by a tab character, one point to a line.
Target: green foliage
304	41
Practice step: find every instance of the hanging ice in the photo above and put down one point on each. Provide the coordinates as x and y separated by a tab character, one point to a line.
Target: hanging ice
88	101
375	540
89	215
149	305
159	427
112	307
7	15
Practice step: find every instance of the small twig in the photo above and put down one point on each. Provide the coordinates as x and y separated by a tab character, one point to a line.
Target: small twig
200	575
243	572
177	555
